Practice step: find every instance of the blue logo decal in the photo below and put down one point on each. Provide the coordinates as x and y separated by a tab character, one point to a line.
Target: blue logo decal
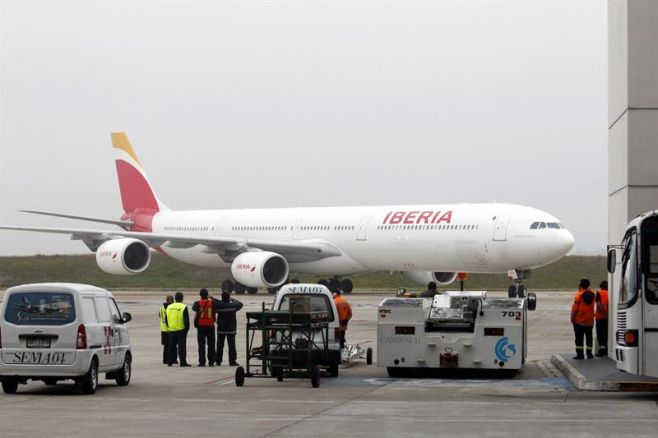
505	350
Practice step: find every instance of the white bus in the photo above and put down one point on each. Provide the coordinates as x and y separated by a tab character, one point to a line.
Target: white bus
636	297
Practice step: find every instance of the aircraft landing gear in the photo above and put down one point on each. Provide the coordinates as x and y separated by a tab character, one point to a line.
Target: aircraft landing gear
518	290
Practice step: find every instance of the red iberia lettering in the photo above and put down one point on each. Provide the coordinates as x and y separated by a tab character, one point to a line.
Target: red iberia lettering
418	217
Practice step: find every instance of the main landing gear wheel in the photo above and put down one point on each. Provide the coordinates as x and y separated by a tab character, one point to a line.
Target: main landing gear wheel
315	377
239	288
239	376
272	290
323	282
227	286
252	290
346	286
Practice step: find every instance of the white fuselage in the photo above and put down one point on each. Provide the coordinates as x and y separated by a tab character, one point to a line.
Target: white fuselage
477	238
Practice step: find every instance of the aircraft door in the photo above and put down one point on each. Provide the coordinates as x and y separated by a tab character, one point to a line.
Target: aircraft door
500	228
362	229
219	228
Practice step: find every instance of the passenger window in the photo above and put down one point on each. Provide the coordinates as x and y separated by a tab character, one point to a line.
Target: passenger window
103	310
89	310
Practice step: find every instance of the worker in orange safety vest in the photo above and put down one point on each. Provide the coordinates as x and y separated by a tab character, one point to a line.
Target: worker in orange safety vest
582	318
344	310
204	321
601	317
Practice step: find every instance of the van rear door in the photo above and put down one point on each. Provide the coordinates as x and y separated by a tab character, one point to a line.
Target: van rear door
39	328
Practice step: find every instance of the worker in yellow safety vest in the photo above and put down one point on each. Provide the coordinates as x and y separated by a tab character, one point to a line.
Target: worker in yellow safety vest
178	323
164	330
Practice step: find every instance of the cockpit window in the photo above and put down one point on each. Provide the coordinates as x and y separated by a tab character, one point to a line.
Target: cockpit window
554	225
542	225
534	225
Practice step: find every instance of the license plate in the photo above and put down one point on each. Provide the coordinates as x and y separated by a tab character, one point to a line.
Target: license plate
38	342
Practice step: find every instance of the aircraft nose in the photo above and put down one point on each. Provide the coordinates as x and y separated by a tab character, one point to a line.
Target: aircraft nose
565	242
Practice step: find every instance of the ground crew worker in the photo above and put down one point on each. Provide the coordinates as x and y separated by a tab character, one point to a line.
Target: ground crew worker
178	323
227	327
431	290
601	317
344	311
204	321
164	330
582	318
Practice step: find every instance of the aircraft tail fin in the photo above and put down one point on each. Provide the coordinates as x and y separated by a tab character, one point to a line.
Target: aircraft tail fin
136	190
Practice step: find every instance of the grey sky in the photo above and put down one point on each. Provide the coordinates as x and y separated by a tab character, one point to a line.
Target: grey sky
268	104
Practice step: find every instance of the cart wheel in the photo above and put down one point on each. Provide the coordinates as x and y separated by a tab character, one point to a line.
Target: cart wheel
369	356
315	377
278	373
239	376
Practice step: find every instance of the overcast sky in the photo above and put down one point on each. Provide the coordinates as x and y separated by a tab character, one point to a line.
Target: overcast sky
277	104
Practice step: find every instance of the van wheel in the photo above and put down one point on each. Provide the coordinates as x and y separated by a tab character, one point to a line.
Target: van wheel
369	356
89	381
10	385
123	375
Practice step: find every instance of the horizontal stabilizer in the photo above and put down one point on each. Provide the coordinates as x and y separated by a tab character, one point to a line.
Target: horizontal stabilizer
123	224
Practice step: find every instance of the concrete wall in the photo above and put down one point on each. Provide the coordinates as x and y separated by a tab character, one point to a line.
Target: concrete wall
632	116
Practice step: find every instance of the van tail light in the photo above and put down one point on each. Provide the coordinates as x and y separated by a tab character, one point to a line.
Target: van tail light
630	338
81	341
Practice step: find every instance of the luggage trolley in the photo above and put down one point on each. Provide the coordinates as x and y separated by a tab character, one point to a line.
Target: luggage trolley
291	345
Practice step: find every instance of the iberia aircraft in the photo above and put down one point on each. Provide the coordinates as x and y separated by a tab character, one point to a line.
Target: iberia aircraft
261	246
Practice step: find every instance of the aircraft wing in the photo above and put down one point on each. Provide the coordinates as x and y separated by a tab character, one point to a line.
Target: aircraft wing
295	251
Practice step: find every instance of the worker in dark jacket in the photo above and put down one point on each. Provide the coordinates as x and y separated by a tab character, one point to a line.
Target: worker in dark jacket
204	321
582	318
178	323
227	327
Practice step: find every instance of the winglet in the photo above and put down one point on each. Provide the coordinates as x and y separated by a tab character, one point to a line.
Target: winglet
136	190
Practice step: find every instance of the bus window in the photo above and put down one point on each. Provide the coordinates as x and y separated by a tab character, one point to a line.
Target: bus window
628	290
652	275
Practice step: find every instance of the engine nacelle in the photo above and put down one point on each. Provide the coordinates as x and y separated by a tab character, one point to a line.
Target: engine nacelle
260	269
123	256
424	277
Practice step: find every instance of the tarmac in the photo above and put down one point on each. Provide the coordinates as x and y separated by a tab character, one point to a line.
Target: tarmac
363	401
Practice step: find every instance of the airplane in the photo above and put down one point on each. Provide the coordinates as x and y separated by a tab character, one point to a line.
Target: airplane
261	247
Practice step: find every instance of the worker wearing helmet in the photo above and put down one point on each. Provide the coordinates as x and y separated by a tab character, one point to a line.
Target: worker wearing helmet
582	318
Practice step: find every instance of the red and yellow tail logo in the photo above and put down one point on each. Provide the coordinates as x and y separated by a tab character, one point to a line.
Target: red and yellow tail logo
137	195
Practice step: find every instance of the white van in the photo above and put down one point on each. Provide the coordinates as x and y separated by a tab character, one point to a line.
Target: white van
314	298
60	331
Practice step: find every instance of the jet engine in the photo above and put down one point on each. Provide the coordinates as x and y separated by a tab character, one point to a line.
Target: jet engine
260	269
424	277
123	256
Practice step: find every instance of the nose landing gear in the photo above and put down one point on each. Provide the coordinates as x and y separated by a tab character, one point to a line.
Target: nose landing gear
518	290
